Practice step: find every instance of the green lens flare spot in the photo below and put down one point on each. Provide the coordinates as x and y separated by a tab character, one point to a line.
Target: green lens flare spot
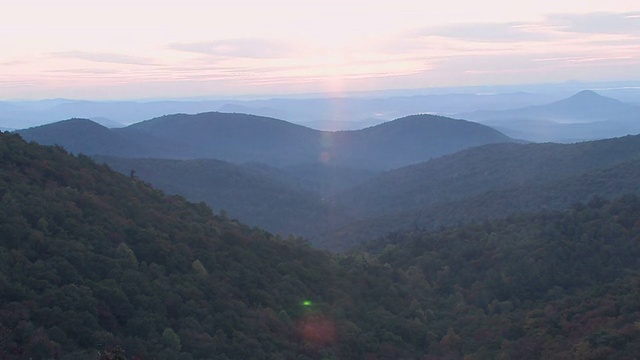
307	303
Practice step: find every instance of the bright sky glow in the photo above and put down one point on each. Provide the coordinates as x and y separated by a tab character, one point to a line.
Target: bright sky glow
142	49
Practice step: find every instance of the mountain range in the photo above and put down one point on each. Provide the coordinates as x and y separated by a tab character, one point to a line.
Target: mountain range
488	182
312	111
244	138
540	116
273	177
339	208
483	169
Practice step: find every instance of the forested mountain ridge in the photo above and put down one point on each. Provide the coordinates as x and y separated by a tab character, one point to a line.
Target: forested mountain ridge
244	138
410	140
478	170
337	208
91	259
605	183
487	182
88	137
234	137
270	198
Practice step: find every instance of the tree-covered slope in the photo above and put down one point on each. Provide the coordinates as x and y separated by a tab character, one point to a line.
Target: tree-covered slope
266	197
83	136
561	194
479	170
551	286
91	259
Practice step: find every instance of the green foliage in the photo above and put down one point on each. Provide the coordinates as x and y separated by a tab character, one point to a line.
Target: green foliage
96	264
533	286
484	183
91	259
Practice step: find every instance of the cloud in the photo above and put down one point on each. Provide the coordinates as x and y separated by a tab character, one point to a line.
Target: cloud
248	48
586	59
13	63
597	23
16	83
84	71
585	36
103	57
489	32
553	27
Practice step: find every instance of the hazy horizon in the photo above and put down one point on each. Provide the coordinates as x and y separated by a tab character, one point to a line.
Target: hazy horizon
565	88
155	50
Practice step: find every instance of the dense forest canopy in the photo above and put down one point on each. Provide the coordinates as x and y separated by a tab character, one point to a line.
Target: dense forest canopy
92	261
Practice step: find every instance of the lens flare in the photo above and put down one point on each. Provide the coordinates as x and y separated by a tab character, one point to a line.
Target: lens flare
318	330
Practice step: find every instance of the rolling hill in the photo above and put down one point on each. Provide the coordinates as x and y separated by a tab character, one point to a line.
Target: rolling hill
269	198
408	140
605	183
479	170
88	137
341	112
339	208
244	138
234	137
488	182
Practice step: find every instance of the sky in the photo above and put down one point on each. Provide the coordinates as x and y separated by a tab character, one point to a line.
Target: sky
141	49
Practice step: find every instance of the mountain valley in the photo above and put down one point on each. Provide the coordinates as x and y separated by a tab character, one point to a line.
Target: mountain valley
97	263
419	238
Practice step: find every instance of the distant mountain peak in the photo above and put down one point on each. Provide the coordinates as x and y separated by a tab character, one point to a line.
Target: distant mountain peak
588	97
587	93
72	123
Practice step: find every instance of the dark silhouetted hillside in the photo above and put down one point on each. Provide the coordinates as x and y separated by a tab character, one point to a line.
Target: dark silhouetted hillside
408	140
235	137
272	200
88	137
243	138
